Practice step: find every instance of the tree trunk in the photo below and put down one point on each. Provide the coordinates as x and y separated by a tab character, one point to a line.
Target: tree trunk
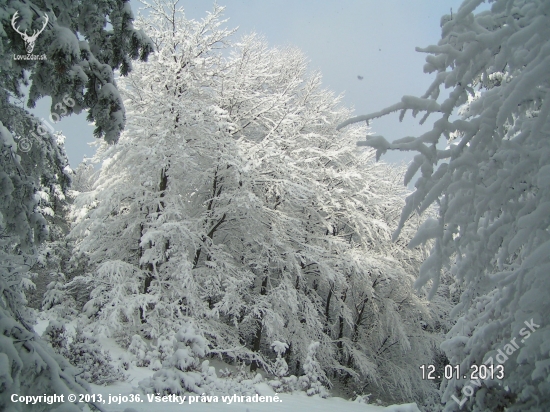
356	325
358	321
327	310
216	190
341	325
148	276
258	337
163	185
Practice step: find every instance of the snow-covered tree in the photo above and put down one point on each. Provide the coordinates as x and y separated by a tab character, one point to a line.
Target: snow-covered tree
143	188
25	180
179	373
280	368
189	348
139	348
491	186
94	364
314	380
53	255
84	177
77	74
232	200
56	335
282	382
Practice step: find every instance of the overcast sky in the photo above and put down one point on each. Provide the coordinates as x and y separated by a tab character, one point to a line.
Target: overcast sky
343	39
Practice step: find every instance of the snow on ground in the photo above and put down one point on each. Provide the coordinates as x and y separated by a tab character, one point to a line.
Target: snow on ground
297	401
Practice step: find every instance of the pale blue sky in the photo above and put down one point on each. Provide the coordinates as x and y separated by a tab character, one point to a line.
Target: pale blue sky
343	39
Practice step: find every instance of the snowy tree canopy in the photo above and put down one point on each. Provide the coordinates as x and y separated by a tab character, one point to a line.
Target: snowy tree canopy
232	200
491	184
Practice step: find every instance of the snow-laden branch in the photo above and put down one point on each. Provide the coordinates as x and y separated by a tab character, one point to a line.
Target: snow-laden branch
413	103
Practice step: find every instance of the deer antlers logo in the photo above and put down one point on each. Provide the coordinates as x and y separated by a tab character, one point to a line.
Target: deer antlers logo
29	40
